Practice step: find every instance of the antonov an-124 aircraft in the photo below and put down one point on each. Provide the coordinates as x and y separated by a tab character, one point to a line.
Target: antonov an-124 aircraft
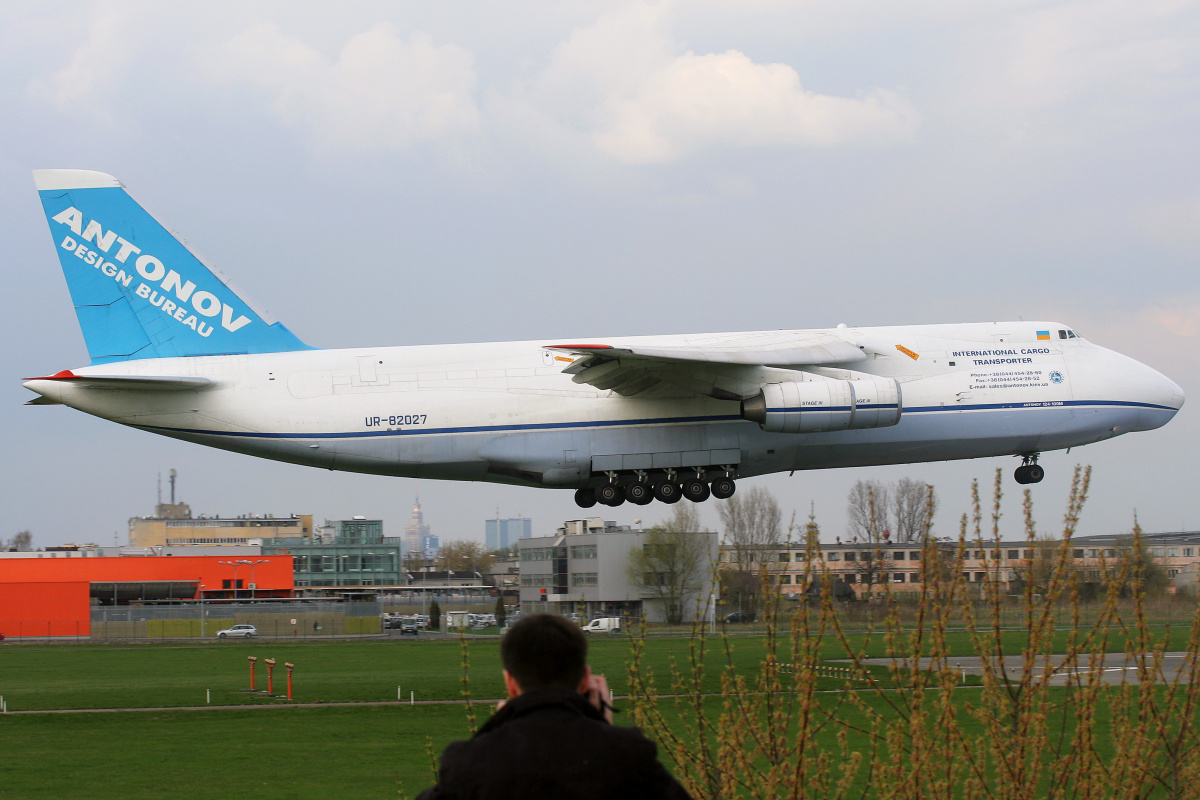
176	350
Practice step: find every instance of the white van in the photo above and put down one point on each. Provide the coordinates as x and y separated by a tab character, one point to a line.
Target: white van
603	625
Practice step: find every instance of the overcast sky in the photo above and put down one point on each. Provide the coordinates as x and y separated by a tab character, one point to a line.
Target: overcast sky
414	173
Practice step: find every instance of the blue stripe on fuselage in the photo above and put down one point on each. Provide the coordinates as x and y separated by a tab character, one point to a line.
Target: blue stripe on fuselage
536	426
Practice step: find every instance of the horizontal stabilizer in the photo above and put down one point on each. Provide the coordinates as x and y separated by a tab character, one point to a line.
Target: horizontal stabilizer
140	383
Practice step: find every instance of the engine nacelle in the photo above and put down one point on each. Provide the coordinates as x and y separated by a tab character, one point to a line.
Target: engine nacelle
825	405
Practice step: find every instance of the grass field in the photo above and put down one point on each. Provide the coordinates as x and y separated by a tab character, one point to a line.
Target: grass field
297	750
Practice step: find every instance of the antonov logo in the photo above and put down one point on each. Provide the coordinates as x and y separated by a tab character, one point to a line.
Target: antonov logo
152	270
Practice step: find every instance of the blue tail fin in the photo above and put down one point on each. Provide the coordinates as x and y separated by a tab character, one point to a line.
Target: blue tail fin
138	291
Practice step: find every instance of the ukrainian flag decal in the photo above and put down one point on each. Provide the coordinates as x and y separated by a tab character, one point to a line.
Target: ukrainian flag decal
1043	335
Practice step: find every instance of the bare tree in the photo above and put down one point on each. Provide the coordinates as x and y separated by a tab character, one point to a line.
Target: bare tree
753	530
672	563
466	556
909	510
882	515
21	543
895	513
867	512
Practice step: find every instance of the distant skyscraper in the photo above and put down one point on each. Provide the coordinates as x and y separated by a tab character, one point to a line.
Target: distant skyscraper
417	538
501	533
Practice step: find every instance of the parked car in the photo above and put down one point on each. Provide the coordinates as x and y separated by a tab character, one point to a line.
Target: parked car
244	631
740	616
408	626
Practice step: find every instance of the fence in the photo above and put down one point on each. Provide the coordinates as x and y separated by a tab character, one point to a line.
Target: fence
281	619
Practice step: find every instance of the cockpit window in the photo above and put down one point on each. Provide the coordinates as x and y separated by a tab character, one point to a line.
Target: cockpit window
1071	335
1062	334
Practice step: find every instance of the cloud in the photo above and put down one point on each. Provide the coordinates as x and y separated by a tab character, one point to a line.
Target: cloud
642	98
380	91
84	85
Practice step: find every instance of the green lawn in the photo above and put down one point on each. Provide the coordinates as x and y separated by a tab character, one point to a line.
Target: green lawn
297	750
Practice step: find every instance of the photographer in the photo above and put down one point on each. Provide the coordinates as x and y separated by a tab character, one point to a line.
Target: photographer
553	737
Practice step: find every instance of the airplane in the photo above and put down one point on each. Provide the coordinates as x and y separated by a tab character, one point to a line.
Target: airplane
176	350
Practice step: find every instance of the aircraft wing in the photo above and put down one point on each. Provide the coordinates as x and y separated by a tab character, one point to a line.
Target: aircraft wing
726	368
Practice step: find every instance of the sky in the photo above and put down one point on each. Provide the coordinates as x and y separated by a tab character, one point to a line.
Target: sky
392	173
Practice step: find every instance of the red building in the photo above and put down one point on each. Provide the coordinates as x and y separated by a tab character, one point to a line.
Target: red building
52	593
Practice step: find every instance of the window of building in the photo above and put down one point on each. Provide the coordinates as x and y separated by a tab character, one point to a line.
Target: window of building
914	555
898	555
585	579
980	577
898	577
850	578
967	576
801	557
785	578
1172	573
979	555
1172	552
583	551
785	557
833	557
1027	554
1189	552
1077	553
851	556
1013	555
1093	553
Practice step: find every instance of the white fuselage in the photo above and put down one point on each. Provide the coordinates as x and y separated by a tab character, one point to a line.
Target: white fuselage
506	411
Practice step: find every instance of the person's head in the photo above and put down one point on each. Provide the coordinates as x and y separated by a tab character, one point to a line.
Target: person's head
545	650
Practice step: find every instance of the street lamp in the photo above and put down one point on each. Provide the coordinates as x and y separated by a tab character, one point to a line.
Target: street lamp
233	564
251	564
200	591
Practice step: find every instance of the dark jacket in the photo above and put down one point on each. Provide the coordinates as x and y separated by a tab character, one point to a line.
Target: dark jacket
551	744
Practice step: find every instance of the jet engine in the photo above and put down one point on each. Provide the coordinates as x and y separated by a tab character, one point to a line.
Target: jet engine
825	405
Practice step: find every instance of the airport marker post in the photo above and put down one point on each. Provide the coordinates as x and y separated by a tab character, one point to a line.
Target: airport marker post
270	662
290	667
252	660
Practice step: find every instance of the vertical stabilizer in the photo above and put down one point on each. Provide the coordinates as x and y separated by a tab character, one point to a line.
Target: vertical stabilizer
138	291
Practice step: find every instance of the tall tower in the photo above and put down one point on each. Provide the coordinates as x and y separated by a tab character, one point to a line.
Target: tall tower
416	533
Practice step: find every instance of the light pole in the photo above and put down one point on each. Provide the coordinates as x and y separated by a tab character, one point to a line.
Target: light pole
200	591
233	564
252	564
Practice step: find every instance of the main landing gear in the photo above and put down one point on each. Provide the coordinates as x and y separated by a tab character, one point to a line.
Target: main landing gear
1029	471
641	488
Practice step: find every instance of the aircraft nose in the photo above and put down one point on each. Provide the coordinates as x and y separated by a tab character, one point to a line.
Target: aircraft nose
1159	398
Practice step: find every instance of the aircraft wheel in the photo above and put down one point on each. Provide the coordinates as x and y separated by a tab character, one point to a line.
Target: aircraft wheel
696	490
638	494
1034	473
723	488
585	497
1022	475
667	492
609	494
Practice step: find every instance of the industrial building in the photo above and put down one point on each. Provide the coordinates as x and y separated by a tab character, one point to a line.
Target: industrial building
584	570
52	593
173	525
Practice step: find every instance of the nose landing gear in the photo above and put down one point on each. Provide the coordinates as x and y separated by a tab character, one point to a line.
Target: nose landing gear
1029	471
